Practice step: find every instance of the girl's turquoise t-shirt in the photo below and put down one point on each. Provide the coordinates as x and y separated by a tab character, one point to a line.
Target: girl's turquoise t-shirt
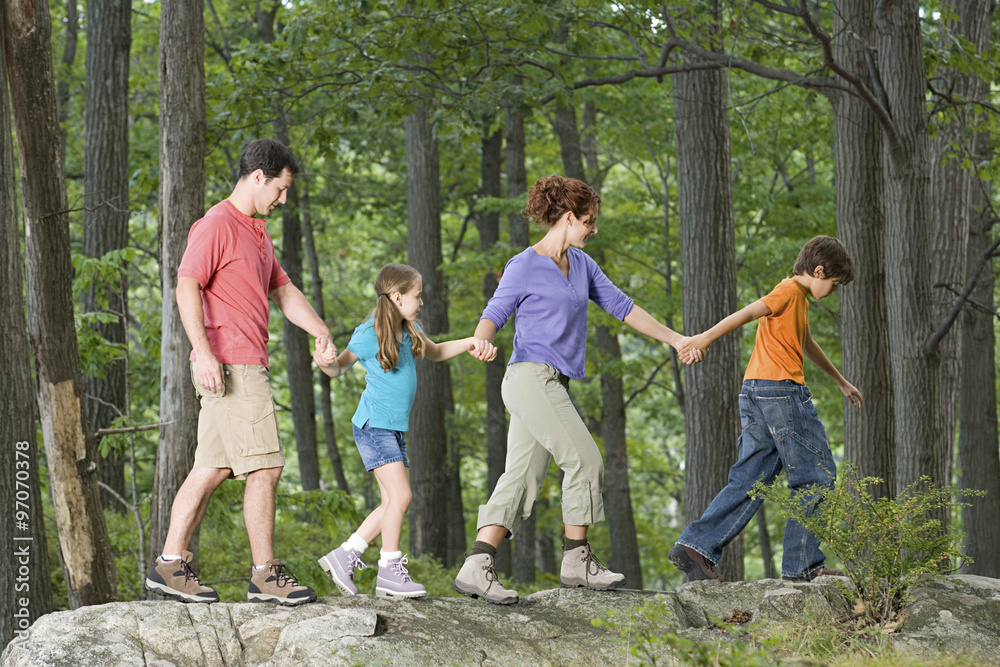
388	396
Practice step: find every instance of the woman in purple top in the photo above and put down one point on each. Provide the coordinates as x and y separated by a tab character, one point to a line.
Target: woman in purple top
549	286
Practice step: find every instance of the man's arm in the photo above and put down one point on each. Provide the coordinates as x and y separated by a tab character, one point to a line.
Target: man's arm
192	311
814	353
299	312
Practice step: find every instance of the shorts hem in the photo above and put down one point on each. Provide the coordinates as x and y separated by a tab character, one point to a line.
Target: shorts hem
385	462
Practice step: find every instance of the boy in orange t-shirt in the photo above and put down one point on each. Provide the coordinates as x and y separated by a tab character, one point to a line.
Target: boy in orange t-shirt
781	429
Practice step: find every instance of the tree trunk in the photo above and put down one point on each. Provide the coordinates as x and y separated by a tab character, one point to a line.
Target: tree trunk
63	95
326	407
182	202
766	553
429	470
864	327
708	255
25	592
916	371
298	351
106	213
978	460
488	224
517	186
83	537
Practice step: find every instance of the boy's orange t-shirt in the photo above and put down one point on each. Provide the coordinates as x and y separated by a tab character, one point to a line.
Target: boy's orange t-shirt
777	350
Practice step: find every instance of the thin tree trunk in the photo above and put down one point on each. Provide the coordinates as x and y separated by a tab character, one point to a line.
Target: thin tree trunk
517	186
978	460
106	213
69	449
766	552
326	407
22	523
708	255
428	442
916	371
63	96
488	224
182	202
864	327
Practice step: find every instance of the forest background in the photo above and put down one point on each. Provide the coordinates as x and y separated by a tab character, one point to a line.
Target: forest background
721	136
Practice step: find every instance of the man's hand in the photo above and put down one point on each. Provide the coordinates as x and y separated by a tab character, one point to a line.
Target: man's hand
326	352
208	370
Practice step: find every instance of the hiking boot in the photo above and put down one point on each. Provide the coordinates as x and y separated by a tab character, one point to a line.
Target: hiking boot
175	580
818	572
692	563
394	581
478	579
276	583
581	569
340	565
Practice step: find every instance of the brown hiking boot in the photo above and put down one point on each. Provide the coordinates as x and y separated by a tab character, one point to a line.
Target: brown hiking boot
692	563
276	583
175	580
818	572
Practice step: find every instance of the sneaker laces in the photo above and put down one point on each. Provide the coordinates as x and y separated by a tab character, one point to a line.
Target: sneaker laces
399	569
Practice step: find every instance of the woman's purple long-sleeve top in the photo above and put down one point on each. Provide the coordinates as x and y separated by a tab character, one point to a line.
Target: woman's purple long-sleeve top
551	324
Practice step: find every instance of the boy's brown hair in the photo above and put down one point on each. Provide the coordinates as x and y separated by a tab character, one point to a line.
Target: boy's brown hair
829	253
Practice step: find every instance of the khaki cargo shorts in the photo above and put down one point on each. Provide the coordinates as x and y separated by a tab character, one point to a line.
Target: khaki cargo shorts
236	426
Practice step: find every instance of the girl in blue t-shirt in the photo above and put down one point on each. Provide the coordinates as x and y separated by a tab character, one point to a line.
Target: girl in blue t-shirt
387	344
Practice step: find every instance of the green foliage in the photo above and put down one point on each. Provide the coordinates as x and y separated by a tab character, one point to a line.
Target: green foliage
886	545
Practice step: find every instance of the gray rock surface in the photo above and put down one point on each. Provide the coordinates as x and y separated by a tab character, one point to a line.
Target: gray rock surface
954	615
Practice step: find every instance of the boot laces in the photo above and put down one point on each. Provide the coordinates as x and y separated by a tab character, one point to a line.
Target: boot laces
189	573
399	568
591	561
284	576
354	561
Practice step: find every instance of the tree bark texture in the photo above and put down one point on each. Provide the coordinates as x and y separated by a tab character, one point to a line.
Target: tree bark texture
106	213
326	407
20	487
63	95
182	202
708	255
916	371
864	328
70	452
978	460
429	470
517	187
488	224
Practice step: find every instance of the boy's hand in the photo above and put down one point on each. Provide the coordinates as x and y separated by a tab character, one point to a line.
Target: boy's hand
852	394
691	349
326	352
483	350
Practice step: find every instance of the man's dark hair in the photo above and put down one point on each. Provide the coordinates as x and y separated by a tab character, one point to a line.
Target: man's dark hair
270	156
829	253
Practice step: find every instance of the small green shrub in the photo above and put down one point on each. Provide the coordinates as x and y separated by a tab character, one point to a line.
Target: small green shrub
886	545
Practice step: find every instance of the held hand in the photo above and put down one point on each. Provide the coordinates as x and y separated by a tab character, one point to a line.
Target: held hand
208	370
483	350
690	349
326	352
852	394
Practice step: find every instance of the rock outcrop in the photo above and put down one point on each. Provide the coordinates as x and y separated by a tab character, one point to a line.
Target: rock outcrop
953	615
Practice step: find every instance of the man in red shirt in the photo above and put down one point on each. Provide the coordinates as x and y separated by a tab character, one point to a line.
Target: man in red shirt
226	276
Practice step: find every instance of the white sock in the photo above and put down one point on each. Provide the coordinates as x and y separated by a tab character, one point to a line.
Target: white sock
356	543
259	568
386	556
165	557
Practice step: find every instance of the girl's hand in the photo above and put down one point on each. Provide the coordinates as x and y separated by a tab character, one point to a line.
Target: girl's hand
483	350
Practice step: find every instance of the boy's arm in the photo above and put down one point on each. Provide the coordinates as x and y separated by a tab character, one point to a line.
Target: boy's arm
814	353
754	311
481	349
339	366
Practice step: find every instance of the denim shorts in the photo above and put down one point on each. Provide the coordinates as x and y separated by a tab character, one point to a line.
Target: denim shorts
380	446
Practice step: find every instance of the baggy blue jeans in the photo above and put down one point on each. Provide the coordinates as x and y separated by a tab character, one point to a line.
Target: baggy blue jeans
781	430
